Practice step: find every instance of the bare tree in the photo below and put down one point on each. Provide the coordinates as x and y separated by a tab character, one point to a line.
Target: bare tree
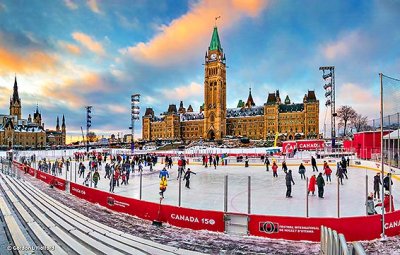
359	123
346	114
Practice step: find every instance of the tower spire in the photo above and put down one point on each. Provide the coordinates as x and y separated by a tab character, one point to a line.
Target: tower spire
215	43
58	124
63	122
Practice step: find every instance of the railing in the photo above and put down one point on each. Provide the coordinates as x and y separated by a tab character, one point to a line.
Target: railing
333	243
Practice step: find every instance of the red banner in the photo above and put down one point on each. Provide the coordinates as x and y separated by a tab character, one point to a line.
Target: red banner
310	145
180	217
288	146
308	229
50	179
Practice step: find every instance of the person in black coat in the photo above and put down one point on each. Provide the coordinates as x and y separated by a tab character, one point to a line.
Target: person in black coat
320	185
284	167
267	163
187	177
314	164
339	173
302	171
386	181
377	183
289	181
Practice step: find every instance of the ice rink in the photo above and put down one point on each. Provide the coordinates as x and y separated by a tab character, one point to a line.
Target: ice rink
267	193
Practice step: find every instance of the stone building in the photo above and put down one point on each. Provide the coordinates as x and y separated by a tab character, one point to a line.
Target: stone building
17	132
287	120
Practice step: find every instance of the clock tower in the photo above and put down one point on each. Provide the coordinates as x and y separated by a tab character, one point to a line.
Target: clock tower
214	90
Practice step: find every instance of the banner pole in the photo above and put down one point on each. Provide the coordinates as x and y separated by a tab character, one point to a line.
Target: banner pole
248	194
382	162
338	198
307	197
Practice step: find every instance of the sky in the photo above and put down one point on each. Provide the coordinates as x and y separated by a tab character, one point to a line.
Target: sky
67	54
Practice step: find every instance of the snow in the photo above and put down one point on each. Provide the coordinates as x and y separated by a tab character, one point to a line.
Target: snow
245	112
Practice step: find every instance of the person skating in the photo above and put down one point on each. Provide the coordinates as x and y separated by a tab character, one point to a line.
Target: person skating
302	171
387	202
266	163
163	186
386	181
246	161
314	164
187	178
370	205
289	181
123	178
377	183
344	168
339	173
311	184
320	185
107	168
215	163
274	169
96	178
112	183
86	181
217	159
284	167
163	173
328	173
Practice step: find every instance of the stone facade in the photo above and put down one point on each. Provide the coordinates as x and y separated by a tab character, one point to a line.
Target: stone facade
25	133
288	121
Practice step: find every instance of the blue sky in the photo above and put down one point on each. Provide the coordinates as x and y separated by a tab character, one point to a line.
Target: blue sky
68	54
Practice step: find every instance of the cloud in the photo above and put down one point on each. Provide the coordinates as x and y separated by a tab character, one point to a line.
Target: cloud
25	62
359	97
92	4
3	7
89	43
71	48
186	36
185	92
71	4
131	23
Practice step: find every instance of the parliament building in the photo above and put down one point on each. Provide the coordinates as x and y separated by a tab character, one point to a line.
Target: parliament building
16	132
276	117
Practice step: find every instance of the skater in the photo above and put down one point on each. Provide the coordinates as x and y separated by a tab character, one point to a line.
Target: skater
320	185
108	171
328	173
112	183
86	181
314	164
311	184
266	163
163	186
302	171
116	176
274	169
284	167
386	181
217	159
339	173
377	183
215	163
81	170
370	205
205	161
164	173
123	178
289	181
246	161
348	161
187	178
344	167
96	178
387	202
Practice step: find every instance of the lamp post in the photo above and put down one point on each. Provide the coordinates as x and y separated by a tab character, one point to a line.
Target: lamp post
329	87
88	124
135	115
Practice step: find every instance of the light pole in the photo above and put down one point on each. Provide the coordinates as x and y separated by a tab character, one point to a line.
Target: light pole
135	115
329	87
88	124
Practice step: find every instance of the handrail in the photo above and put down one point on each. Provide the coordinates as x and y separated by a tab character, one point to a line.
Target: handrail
333	243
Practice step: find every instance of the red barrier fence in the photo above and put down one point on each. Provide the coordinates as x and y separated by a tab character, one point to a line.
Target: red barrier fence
180	217
274	227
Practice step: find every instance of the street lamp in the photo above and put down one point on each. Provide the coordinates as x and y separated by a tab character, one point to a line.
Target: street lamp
88	124
135	115
330	90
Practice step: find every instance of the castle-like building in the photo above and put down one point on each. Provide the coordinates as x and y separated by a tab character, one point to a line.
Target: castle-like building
16	132
287	120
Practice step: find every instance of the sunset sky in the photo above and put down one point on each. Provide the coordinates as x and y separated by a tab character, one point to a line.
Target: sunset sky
69	53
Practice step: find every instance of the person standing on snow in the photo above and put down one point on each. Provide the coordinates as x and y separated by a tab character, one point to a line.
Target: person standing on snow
386	181
289	181
377	183
314	164
274	169
328	173
187	178
311	184
302	171
266	163
96	178
320	185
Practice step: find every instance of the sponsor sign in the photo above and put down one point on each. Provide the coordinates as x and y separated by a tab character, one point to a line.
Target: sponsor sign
288	147
310	145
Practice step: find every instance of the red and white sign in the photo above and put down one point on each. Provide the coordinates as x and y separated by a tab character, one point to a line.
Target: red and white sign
310	145
288	146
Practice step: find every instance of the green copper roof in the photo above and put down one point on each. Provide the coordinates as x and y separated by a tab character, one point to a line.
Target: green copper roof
215	44
240	104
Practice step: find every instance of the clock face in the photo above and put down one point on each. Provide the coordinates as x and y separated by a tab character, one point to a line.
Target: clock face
213	56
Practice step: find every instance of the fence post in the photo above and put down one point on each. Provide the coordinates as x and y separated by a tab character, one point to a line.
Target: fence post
180	190
366	189
226	194
140	191
248	194
307	197
338	198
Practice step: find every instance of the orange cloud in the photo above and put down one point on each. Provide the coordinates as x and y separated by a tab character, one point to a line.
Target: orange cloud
34	61
359	97
184	92
89	43
92	4
71	48
183	37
